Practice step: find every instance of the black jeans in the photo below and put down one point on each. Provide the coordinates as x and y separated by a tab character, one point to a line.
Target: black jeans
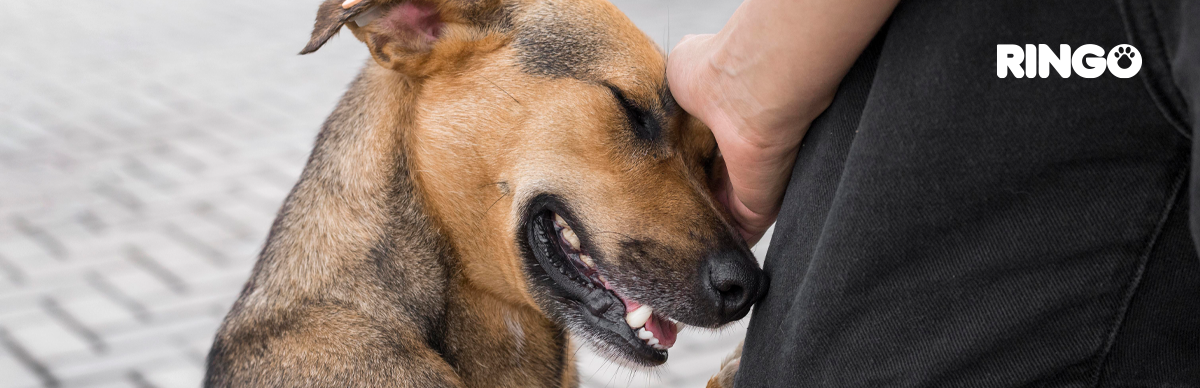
946	227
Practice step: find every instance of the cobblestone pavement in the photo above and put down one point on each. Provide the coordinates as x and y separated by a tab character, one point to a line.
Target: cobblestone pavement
144	149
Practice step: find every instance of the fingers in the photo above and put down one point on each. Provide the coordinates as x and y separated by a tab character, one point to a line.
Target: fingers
687	74
750	224
757	181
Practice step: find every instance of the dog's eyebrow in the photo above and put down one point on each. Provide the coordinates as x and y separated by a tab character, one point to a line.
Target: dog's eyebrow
645	123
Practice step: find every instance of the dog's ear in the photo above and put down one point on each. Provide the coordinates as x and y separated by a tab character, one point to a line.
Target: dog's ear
330	19
401	33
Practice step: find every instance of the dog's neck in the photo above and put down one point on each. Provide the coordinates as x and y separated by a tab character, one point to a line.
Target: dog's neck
358	229
344	209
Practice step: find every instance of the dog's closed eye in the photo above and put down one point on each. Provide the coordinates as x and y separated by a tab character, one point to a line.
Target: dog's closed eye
644	123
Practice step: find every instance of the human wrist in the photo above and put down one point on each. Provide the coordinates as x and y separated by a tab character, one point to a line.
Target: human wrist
754	95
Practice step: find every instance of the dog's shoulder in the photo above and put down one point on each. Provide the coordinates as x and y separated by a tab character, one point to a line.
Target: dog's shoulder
322	344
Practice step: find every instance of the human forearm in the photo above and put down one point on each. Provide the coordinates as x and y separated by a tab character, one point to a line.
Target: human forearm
779	61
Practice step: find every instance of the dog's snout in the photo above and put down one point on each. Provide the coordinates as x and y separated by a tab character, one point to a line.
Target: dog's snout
735	282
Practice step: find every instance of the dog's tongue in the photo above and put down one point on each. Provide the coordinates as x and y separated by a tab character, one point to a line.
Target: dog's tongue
663	329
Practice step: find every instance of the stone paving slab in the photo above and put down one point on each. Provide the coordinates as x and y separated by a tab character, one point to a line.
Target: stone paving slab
144	150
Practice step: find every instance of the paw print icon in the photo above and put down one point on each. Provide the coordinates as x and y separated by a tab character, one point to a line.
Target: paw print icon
1124	61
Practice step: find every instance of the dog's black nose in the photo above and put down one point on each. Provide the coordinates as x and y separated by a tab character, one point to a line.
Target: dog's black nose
735	282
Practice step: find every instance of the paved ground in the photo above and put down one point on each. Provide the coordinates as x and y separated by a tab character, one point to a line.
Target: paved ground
144	149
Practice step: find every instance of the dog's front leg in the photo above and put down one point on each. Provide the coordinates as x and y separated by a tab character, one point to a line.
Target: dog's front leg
729	368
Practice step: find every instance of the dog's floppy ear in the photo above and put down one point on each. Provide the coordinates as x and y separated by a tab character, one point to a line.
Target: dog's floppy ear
401	33
330	19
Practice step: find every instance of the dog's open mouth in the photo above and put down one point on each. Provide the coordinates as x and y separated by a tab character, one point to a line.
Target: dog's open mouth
562	253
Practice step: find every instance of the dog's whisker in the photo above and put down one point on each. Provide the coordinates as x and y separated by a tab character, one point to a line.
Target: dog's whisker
612	375
504	192
667	41
610	379
489	208
599	368
502	90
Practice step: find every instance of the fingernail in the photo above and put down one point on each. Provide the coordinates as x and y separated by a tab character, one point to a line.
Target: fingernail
350	3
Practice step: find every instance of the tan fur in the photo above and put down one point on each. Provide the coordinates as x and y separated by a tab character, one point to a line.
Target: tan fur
729	368
393	261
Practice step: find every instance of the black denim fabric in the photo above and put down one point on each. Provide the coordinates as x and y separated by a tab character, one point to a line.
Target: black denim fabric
948	228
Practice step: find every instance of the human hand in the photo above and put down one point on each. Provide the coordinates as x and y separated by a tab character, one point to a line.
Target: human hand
758	125
760	82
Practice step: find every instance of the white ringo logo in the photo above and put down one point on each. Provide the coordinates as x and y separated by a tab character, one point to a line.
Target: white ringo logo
1086	61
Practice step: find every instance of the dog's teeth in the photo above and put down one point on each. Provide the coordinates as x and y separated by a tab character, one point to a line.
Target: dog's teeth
645	334
588	260
652	341
659	347
637	318
571	238
567	233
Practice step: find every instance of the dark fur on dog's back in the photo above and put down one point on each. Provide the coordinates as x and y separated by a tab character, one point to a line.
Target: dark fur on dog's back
402	264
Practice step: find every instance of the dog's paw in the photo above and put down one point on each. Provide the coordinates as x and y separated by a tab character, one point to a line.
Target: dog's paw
729	368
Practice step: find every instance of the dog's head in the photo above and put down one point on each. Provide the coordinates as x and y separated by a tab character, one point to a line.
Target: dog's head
548	149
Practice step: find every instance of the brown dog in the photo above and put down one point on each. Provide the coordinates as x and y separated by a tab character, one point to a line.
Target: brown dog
505	172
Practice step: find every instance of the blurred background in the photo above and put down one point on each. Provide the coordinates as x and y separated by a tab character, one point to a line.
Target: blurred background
145	147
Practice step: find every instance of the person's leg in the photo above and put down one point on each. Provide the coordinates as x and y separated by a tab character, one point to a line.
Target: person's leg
946	227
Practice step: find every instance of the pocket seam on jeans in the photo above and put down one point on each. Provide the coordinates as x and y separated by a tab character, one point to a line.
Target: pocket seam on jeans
1132	287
